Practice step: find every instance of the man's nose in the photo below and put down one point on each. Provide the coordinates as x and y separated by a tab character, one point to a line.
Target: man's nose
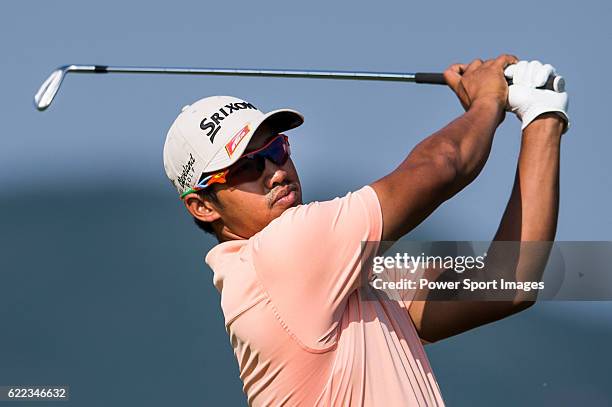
275	175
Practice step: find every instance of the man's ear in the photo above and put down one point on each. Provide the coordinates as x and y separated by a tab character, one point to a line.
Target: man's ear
201	208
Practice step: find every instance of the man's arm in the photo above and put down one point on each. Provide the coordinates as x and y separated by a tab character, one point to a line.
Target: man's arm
530	215
445	162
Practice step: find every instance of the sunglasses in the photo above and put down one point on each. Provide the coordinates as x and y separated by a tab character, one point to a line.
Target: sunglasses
249	167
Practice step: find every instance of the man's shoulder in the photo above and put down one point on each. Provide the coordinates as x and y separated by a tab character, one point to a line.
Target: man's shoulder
223	251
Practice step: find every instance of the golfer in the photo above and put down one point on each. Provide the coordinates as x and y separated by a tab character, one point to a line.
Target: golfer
288	273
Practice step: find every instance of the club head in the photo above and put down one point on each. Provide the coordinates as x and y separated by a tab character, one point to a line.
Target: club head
49	88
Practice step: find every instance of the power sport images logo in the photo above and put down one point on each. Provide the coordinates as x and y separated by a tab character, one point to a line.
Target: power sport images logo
212	124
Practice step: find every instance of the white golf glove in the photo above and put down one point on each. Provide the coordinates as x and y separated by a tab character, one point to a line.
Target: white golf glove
526	101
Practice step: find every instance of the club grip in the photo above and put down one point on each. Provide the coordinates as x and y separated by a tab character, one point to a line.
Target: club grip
430	78
556	83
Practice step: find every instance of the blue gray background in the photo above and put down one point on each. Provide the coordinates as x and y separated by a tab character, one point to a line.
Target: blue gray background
102	280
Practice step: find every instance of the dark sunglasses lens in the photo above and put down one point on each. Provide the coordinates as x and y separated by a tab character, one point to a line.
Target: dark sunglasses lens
250	167
277	152
246	169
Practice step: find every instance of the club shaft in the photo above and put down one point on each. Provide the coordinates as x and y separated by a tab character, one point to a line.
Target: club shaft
435	78
285	73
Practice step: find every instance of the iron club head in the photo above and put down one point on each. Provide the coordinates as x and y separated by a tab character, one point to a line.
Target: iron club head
49	88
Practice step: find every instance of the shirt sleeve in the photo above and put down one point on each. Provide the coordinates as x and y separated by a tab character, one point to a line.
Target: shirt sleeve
309	261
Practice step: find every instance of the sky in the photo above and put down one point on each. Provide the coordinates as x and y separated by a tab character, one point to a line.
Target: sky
89	169
103	127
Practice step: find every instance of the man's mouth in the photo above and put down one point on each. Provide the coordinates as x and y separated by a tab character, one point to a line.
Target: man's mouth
284	195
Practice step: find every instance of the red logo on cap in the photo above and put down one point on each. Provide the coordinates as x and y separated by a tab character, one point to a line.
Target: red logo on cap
230	147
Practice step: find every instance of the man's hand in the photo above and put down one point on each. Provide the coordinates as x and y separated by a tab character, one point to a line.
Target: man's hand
526	101
480	81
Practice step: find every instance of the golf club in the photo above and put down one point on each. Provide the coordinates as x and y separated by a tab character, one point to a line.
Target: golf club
50	87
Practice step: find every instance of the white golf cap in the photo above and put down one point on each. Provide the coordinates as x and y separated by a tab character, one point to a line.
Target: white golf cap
212	133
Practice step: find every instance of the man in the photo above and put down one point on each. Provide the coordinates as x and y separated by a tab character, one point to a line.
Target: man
288	273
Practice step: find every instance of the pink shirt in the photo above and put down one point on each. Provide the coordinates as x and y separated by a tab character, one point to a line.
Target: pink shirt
301	331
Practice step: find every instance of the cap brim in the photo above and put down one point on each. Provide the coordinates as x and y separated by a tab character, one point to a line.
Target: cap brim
282	120
279	120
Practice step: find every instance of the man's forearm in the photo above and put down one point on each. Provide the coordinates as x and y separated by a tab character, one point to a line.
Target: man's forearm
469	138
531	213
436	169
